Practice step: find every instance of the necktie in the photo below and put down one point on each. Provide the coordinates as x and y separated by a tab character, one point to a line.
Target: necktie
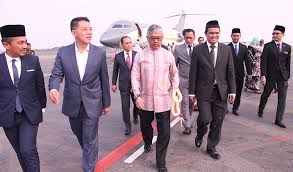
279	48
190	50
128	60
18	107
236	50
212	54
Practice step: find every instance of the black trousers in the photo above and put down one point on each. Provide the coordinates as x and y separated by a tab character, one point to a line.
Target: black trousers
125	101
23	138
282	87
211	112
239	87
86	130
163	125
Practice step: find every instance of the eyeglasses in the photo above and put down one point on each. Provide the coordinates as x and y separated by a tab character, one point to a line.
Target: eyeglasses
156	38
276	33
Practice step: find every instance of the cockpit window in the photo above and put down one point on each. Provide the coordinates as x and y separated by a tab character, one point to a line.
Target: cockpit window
117	26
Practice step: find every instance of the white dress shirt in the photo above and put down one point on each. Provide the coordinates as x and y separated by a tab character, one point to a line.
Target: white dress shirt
9	64
81	59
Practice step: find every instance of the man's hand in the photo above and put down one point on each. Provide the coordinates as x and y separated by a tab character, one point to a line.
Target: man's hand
192	99
139	102
54	96
249	77
114	88
231	98
263	80
106	110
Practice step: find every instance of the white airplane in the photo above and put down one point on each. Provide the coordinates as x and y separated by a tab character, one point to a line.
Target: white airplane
137	32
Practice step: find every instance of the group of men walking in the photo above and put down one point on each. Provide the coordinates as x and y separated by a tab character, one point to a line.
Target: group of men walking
210	74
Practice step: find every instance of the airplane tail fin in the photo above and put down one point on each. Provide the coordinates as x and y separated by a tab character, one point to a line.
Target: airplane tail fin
180	25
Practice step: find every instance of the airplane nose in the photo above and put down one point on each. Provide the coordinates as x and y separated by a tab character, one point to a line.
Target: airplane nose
104	40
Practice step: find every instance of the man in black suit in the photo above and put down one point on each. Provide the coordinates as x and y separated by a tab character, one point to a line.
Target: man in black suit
211	82
275	68
240	55
122	66
22	96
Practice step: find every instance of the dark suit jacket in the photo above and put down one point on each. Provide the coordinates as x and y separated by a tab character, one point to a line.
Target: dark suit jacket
276	66
121	69
31	91
93	90
239	59
203	74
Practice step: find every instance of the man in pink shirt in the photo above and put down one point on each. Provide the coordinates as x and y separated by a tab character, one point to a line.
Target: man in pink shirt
154	76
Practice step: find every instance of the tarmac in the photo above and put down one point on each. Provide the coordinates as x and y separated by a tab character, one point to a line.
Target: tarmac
248	143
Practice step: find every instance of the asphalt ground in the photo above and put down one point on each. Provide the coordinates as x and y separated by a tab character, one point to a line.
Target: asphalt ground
248	143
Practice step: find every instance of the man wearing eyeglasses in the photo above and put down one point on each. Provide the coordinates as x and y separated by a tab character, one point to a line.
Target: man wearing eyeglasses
154	75
275	68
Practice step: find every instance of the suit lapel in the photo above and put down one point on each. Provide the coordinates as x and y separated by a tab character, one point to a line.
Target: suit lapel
133	56
4	68
207	54
184	51
24	67
184	57
122	59
283	47
218	54
275	48
90	60
74	61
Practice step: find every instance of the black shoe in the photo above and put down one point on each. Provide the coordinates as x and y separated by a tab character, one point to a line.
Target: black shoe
280	124
127	132
260	114
162	169
198	141
135	120
234	111
213	153
147	149
187	131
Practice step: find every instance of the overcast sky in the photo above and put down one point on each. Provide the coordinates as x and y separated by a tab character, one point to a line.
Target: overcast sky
47	22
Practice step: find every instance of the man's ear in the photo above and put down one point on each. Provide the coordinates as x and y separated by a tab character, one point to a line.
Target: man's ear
73	32
6	45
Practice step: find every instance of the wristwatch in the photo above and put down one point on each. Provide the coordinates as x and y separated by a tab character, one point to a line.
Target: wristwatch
136	96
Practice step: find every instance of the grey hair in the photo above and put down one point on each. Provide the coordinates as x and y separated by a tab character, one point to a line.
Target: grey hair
154	28
7	40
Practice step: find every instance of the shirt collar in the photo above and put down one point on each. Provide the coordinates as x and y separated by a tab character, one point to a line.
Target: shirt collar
278	43
235	44
125	53
209	44
9	59
86	50
187	45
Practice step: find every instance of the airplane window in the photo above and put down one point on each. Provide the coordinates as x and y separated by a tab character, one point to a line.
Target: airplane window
117	26
127	26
